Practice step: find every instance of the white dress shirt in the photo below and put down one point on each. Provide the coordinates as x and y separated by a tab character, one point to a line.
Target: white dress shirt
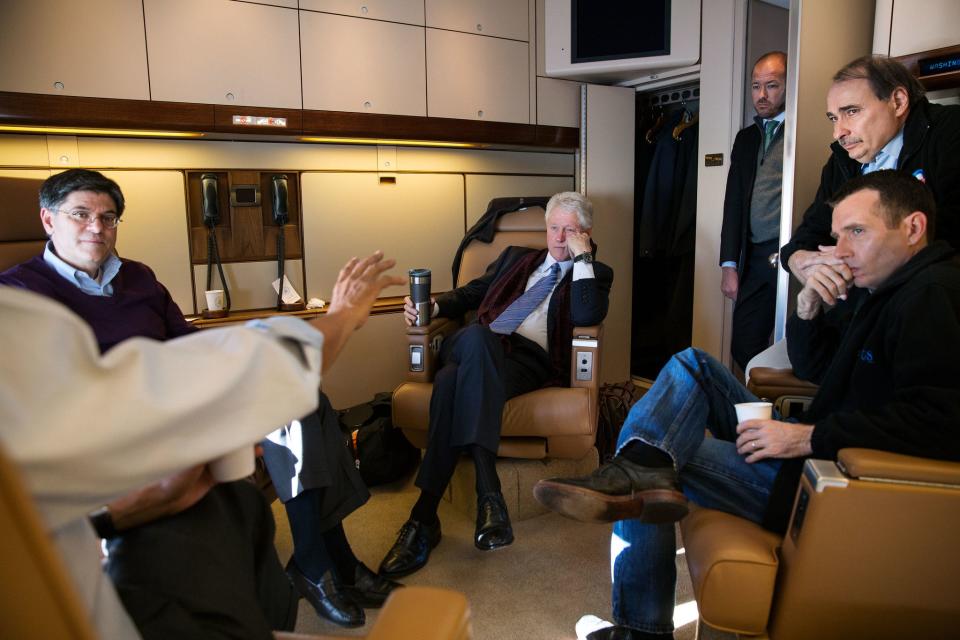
85	428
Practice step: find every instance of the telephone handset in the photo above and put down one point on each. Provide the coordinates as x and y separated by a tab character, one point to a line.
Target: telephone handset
210	197
279	199
280	205
210	201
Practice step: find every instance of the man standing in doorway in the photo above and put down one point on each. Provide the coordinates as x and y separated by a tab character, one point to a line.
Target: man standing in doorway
751	213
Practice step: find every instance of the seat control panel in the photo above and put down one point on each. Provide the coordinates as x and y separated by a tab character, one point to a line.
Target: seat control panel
584	365
416	357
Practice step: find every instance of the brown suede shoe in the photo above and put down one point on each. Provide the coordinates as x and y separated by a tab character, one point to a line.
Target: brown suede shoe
618	490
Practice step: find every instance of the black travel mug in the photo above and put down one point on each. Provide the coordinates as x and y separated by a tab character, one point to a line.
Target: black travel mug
420	295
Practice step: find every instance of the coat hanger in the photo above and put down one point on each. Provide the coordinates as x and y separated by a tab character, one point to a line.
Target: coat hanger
650	137
686	123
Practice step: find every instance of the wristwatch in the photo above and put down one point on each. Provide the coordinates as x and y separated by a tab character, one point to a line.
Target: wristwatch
586	256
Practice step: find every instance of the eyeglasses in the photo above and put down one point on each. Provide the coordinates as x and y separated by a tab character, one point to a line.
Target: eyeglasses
85	218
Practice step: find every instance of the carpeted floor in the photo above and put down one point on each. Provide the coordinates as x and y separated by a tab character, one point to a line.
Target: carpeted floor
556	571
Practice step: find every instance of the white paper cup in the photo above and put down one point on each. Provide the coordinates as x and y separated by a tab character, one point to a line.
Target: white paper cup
236	465
754	411
215	300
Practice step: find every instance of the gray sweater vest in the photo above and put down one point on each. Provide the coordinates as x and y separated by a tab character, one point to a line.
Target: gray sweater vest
765	199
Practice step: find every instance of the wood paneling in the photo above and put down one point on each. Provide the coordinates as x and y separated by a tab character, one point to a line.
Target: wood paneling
71	111
44	110
244	233
933	82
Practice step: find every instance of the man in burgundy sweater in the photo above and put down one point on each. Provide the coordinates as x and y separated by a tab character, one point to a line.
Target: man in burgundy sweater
527	304
122	299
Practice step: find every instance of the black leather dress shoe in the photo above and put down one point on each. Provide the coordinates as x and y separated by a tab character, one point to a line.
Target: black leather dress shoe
618	490
493	523
411	550
369	590
327	598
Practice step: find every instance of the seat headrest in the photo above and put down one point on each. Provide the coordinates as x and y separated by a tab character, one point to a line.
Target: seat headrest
529	219
21	212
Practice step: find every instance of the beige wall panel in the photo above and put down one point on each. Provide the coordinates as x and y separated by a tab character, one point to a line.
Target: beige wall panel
186	154
921	25
540	39
482	189
92	48
193	154
824	35
352	64
532	57
882	21
418	221
223	52
476	161
558	102
290	4
23	151
154	228
721	115
767	30
477	77
406	11
500	18
609	177
373	360
62	152
251	283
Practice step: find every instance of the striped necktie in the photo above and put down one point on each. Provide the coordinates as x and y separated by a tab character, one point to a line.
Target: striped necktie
514	315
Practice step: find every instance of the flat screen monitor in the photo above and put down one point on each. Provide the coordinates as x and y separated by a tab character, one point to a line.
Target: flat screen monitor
619	30
607	40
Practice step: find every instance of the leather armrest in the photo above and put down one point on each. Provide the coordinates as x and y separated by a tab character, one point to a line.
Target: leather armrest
766	382
428	339
585	340
436	325
870	464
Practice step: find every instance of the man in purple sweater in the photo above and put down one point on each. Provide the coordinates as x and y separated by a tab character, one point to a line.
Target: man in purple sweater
121	299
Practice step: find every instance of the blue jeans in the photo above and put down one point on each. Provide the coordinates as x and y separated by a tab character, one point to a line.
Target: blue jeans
693	392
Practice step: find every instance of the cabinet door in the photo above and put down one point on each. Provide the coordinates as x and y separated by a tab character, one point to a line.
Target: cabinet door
923	25
352	64
558	102
223	52
405	11
91	48
477	78
501	18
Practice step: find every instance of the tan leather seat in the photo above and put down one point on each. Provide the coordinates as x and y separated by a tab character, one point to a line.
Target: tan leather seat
869	553
38	599
21	233
556	422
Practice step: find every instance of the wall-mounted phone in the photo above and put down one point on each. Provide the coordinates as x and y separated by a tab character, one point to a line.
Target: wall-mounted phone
280	208
210	199
279	199
210	207
234	216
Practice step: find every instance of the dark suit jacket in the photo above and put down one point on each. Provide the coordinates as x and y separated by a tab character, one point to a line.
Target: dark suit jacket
589	300
931	145
734	234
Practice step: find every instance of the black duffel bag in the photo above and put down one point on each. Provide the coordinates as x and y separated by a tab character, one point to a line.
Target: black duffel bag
381	452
